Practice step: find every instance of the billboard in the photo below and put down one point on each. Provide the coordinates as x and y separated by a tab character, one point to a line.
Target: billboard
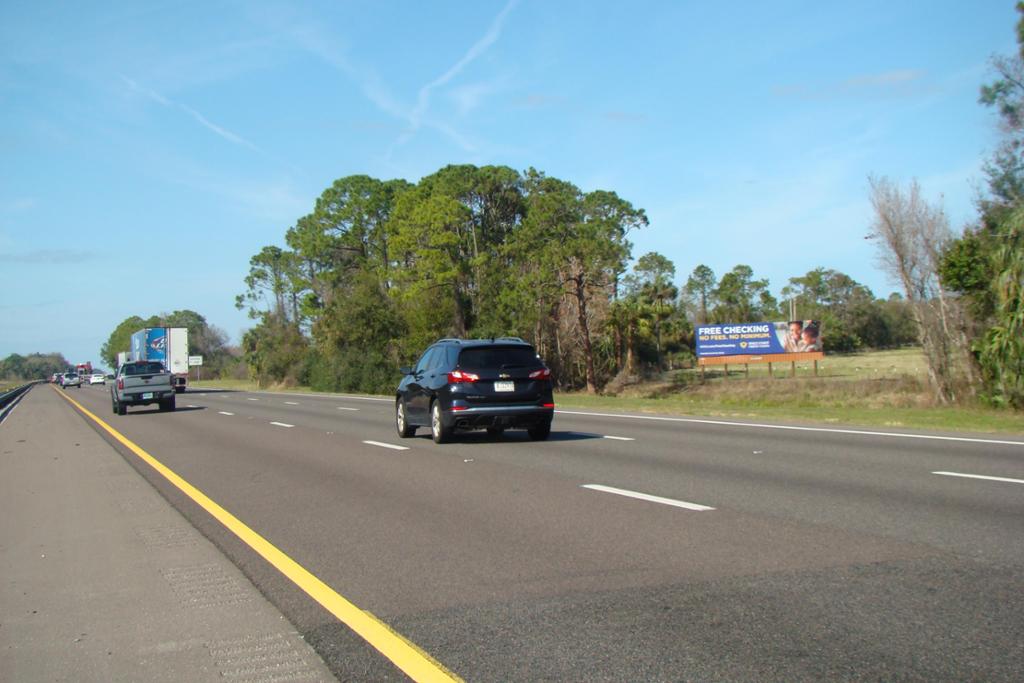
758	339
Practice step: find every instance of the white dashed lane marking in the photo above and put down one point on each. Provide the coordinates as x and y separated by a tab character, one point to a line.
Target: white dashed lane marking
649	498
221	412
281	424
387	445
980	476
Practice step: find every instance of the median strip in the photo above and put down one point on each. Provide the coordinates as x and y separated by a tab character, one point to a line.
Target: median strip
980	476
649	498
404	654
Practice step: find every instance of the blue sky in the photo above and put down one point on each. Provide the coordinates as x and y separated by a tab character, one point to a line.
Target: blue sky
148	150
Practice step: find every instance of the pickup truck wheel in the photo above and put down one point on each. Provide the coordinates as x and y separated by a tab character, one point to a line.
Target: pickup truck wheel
121	408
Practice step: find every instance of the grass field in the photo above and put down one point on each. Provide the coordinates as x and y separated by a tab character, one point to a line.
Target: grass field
886	389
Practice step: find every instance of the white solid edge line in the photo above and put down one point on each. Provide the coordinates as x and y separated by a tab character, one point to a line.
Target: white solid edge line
648	497
221	412
980	476
282	424
863	432
387	445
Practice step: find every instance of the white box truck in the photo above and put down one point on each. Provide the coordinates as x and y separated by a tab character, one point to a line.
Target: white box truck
169	345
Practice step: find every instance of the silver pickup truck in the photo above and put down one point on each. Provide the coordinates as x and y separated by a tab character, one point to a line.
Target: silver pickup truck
140	383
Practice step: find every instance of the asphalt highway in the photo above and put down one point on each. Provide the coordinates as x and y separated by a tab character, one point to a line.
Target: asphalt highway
624	548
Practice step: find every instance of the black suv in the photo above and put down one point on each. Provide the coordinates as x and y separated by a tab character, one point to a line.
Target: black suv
461	384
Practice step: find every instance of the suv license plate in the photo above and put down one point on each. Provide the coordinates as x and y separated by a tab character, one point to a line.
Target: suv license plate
504	386
147	395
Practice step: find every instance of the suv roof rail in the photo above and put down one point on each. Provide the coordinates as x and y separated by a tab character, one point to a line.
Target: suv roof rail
456	340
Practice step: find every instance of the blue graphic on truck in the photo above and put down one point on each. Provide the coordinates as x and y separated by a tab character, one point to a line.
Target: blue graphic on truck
156	344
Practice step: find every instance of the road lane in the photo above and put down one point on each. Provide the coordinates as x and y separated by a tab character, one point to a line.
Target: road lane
865	484
468	547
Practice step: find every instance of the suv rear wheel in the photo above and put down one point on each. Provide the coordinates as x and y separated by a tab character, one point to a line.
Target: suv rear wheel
438	431
405	430
540	432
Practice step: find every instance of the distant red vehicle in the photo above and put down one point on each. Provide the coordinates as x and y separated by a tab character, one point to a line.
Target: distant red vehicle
84	370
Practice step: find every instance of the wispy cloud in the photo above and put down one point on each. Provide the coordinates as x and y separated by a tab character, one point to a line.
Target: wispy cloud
373	89
480	47
895	83
538	101
310	38
625	117
50	257
18	205
196	116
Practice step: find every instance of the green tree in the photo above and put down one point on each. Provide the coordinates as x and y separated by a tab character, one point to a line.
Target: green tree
700	287
741	298
655	273
120	339
272	285
430	240
585	249
275	351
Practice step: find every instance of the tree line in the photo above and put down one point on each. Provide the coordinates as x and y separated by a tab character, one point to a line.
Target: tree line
382	268
33	366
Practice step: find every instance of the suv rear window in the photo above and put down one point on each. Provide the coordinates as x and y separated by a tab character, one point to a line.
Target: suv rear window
150	368
498	357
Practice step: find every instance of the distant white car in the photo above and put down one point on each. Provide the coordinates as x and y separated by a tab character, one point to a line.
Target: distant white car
97	379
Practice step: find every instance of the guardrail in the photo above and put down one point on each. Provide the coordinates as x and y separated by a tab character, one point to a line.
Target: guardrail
12	396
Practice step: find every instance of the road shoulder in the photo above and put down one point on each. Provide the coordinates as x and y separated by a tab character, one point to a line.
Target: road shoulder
103	580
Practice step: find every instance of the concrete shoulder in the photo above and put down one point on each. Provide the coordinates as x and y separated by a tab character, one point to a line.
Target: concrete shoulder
103	580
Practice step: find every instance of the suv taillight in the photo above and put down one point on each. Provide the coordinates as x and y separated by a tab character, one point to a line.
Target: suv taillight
543	373
459	376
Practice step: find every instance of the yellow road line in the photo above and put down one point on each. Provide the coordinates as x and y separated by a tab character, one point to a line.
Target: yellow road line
406	655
